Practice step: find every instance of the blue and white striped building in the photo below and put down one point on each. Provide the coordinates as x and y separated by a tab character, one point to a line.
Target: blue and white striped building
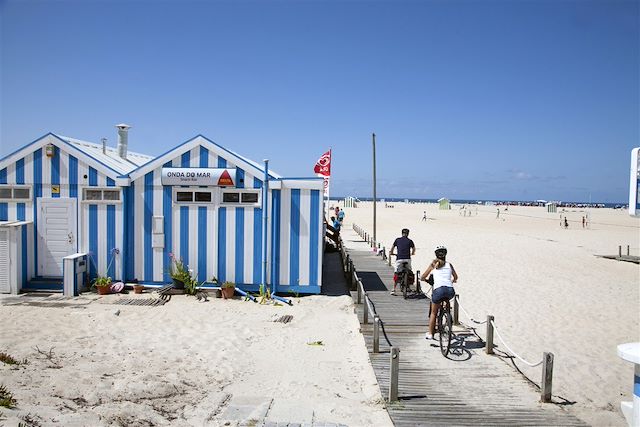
127	211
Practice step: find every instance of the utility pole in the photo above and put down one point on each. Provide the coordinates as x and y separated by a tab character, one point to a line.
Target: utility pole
375	240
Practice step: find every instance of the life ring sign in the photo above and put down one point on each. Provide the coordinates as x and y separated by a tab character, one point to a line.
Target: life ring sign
216	177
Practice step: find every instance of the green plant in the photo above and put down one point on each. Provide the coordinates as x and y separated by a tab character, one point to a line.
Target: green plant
228	285
101	281
6	398
178	270
191	286
6	358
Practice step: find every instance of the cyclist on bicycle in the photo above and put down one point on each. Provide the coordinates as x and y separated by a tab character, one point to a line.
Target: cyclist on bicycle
444	276
406	248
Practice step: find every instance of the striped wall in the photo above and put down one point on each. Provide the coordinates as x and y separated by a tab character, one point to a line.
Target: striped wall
225	241
70	176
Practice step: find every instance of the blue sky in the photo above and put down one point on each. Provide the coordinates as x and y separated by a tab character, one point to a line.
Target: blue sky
516	100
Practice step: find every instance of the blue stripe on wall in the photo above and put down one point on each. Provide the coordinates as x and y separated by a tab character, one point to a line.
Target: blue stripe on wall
111	241
222	245
294	239
168	228
110	182
314	231
37	192
93	177
202	243
73	177
21	216
148	217
129	257
20	171
222	163
184	234
257	239
275	239
239	178
93	240
239	238
55	171
204	158
4	207
186	158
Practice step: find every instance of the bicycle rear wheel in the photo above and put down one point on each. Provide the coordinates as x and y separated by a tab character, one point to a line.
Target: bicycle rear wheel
445	325
405	285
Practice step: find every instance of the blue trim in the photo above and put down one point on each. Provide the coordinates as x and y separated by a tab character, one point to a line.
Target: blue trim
202	243
294	238
275	237
239	178
93	241
20	171
184	234
110	182
73	176
167	212
257	238
148	217
55	172
302	178
93	177
4	207
26	146
636	385
239	239
111	240
204	157
37	192
222	244
185	159
129	257
21	213
314	232
222	163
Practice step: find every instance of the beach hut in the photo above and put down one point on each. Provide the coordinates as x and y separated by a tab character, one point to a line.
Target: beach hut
350	202
552	207
444	204
124	214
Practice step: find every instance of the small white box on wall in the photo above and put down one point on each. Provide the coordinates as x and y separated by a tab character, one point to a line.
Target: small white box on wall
157	240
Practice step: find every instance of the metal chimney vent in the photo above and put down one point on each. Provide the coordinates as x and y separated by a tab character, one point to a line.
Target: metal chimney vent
123	139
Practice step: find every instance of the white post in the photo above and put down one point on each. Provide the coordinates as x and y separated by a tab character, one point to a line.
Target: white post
631	410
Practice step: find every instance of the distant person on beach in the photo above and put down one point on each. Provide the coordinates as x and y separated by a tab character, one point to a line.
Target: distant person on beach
444	276
424	215
566	223
498	214
406	248
341	216
583	222
337	211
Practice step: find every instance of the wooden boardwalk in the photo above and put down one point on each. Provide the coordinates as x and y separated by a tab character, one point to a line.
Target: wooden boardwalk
468	388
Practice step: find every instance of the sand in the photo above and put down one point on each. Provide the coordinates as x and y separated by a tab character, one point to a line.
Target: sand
186	363
544	285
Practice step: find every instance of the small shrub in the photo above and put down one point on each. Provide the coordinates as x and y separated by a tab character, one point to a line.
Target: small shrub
6	398
228	285
6	358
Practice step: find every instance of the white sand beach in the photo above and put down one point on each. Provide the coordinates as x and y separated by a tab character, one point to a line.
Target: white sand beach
187	363
544	285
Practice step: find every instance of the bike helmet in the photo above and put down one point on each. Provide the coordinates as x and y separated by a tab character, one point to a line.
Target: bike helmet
440	248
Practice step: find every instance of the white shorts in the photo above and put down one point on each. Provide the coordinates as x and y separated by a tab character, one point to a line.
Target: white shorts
399	263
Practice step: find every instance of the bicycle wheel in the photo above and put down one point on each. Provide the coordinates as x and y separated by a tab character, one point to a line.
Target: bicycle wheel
405	284
445	324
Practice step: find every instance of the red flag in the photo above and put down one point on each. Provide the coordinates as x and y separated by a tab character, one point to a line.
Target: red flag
323	165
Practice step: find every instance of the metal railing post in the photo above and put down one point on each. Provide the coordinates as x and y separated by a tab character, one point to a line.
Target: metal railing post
359	292
376	334
489	348
393	374
365	314
619	250
547	377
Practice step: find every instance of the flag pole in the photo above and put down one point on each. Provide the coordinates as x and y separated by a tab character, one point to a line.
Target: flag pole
374	188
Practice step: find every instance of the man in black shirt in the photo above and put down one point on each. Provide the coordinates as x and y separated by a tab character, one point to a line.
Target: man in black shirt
406	248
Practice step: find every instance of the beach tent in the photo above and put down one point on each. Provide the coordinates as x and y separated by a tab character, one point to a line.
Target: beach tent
444	204
552	207
127	213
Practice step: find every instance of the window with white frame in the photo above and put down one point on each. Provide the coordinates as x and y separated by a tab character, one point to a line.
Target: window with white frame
15	193
241	197
101	195
186	195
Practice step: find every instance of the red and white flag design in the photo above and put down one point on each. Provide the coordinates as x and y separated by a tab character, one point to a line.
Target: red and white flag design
323	165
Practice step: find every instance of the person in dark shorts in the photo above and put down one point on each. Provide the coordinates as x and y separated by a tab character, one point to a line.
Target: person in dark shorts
406	248
444	276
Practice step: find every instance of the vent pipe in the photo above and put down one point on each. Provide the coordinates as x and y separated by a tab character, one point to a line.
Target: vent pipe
123	132
104	145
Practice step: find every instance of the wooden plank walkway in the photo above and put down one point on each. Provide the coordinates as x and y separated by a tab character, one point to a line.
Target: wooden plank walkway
468	388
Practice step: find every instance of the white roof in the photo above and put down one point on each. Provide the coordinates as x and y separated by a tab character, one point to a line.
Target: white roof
110	158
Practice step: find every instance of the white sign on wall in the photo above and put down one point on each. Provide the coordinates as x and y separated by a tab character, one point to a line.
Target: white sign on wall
218	177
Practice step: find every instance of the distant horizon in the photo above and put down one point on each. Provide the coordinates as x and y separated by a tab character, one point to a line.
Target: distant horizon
472	200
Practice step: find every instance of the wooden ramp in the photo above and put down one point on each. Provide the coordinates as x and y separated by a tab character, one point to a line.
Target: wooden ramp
468	388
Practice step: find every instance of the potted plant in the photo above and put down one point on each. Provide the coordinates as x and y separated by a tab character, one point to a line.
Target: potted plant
102	284
137	289
228	289
179	272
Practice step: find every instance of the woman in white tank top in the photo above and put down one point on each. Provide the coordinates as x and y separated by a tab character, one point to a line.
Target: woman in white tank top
444	276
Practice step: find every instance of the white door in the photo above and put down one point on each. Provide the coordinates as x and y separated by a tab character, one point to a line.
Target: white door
57	232
5	284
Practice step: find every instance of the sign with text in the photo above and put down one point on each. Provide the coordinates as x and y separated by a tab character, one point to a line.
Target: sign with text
218	177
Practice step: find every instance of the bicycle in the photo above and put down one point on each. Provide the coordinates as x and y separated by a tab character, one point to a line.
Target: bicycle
444	323
401	277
